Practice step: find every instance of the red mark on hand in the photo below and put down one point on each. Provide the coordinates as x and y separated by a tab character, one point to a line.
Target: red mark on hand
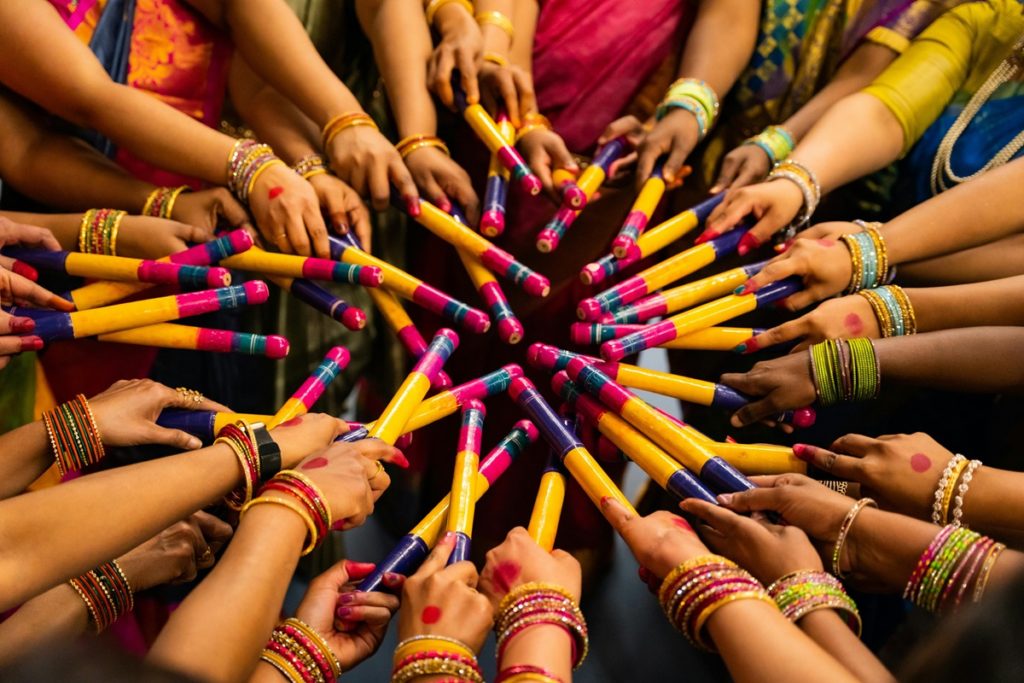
294	422
919	462
430	614
853	323
275	192
682	524
505	574
827	242
315	464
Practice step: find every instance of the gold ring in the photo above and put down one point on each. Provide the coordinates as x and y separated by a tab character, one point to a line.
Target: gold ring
380	468
830	461
207	554
185	392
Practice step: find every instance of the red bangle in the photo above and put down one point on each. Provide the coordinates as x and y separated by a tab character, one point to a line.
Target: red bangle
511	671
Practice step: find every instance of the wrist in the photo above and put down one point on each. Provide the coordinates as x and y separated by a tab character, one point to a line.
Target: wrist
453	18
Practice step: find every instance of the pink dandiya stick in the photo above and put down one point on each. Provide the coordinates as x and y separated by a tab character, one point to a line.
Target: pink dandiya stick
318	298
641	212
510	330
463	494
710	339
492	222
302	400
122	269
573	197
172	336
311	268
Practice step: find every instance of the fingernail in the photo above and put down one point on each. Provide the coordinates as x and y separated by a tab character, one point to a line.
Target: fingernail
746	288
747	243
391	578
644	573
751	345
802	451
412	205
344	599
784	246
725	498
25	270
715	190
605	501
193	443
22	325
444	204
342	612
399	459
353	566
448	538
61	304
339	525
740	348
341	228
729	439
705	236
32	343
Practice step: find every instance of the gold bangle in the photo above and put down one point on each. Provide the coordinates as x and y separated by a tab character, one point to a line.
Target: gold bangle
709	611
495	58
295	507
343	121
318	640
114	227
427	643
259	171
436	5
497	19
283	666
844	531
410	143
947	494
420	145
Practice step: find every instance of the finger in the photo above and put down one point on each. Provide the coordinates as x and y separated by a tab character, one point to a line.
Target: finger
369	599
233	213
437	558
616	514
540	164
677	156
779	334
468	75
720	519
855	444
14	287
749	174
768	225
296	234
730	167
742	382
799	301
753	500
842	466
402	179
317	231
174	438
380	190
214	530
727	214
370	616
509	96
375	449
10	346
777	269
618	128
527	96
648	154
444	65
359	219
463	572
755	411
12	324
35	236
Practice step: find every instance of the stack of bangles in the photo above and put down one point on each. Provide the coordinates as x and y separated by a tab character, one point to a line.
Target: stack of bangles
953	562
160	202
799	593
803	178
845	370
694	590
301	654
952	489
106	593
434	655
310	165
497	19
844	531
531	122
246	163
98	231
296	492
893	309
694	96
411	143
868	256
435	5
74	437
534	604
775	141
343	122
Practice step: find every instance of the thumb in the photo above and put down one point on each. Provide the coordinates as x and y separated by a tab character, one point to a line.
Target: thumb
174	437
616	514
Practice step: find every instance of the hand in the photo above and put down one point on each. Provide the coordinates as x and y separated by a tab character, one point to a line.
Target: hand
544	151
745	165
18	290
26	235
208	209
779	384
520	560
309	433
900	471
287	212
849	317
441	180
823	263
344	207
508	87
768	551
348	475
364	159
146	237
176	553
440	600
660	541
774	204
11	343
461	47
126	414
332	596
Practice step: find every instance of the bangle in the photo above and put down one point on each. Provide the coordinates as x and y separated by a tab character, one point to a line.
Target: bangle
775	141
961	493
160	202
244	449
799	593
435	5
949	489
893	310
697	90
845	370
304	497
495	58
342	122
97	233
803	178
533	604
411	143
938	510
424	643
526	672
106	593
436	662
497	19
300	653
868	256
310	165
73	435
689	104
844	530
246	163
954	560
531	122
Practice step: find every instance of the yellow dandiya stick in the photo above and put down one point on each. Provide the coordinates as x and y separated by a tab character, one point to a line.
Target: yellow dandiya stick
302	400
759	458
289	265
173	336
463	495
713	339
121	268
547	506
644	206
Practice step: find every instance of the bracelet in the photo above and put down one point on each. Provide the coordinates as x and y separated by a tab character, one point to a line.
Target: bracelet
947	485
411	143
300	653
840	487
435	5
533	604
954	560
497	19
437	662
495	58
526	672
160	202
689	104
73	435
961	493
868	256
803	178
844	530
106	593
301	496
799	593
246	163
697	90
310	165
424	643
97	233
531	122
893	310
239	440
775	141
342	122
845	370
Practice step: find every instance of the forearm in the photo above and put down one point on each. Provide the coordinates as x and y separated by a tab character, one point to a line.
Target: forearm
996	302
524	19
496	40
548	647
707	56
999	259
994	504
57	616
64	226
273	118
220	629
831	633
27	455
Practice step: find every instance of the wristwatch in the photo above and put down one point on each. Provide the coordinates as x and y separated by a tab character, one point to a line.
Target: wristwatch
269	451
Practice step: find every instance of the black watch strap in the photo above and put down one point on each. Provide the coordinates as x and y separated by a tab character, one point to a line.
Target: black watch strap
269	451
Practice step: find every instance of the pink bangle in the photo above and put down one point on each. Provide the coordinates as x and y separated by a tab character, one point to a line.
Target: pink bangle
294	660
511	671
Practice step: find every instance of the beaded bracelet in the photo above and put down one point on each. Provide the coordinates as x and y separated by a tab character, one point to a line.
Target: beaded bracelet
799	593
526	672
246	163
74	436
411	143
435	5
343	122
435	663
106	593
845	370
310	165
844	531
533	604
160	202
955	559
805	180
944	489
301	654
961	492
239	439
775	141
497	19
97	233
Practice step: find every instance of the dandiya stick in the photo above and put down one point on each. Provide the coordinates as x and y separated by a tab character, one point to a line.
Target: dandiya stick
652	241
691	452
289	265
655	462
547	506
492	222
510	329
589	181
496	259
487	130
403	404
172	336
684	296
412	548
318	298
302	400
659	275
122	269
577	460
640	214
104	293
415	290
463	495
53	326
710	339
565	182
699	318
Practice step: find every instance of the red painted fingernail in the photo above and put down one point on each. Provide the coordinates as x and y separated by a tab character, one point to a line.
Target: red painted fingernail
644	573
705	236
344	599
748	288
729	439
802	451
353	566
781	248
444	204
339	525
747	243
342	612
751	345
22	325
25	270
391	578
412	205
605	500
399	459
32	343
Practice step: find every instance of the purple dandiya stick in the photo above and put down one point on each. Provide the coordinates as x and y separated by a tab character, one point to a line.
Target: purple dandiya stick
640	214
302	400
411	549
492	222
462	499
699	318
172	336
318	298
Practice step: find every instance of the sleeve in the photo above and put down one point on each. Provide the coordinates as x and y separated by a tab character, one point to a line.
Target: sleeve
896	31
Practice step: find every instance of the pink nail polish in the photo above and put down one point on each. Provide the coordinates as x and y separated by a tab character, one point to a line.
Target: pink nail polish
802	451
412	205
747	243
32	343
705	236
399	459
344	598
25	270
342	612
392	579
444	204
22	325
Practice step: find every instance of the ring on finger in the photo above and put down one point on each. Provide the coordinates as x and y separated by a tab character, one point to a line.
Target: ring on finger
380	468
830	461
192	394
